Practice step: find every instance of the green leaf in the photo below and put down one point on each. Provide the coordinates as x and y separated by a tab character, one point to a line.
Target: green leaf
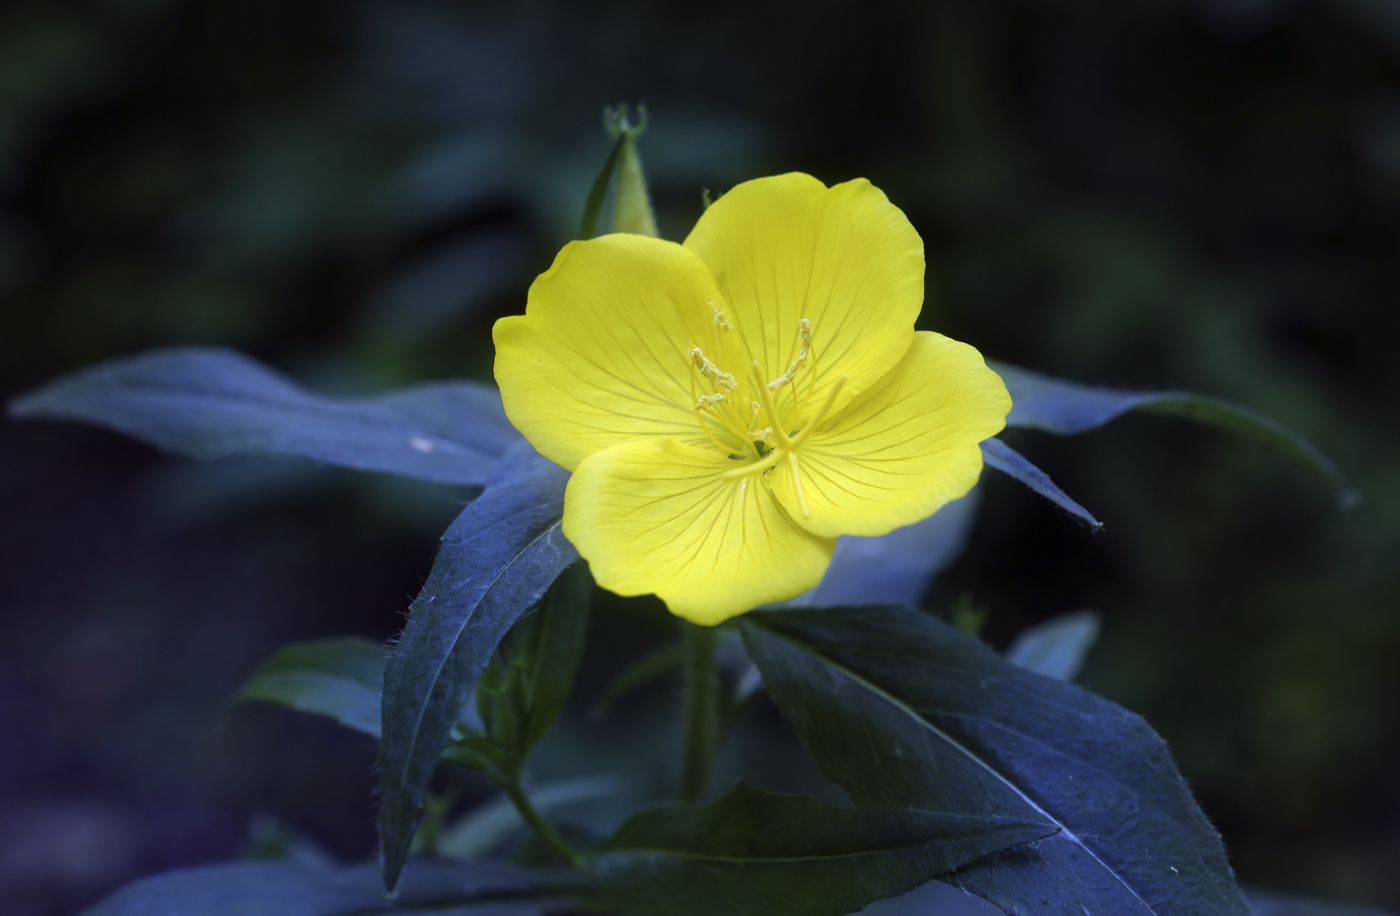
1004	458
1056	648
761	853
1066	408
489	825
522	690
339	678
209	403
656	664
900	709
293	889
496	560
618	200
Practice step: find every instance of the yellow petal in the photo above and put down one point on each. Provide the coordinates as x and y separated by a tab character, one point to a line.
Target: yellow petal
600	356
901	450
658	517
845	258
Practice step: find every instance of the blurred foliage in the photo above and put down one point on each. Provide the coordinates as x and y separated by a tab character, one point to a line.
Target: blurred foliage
1193	193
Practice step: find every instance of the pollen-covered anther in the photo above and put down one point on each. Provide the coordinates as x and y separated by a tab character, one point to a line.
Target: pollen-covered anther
721	319
710	400
724	382
804	334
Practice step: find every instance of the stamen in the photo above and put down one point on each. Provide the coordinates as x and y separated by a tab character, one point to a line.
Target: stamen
804	333
723	381
767	397
757	467
721	320
709	400
797	484
721	323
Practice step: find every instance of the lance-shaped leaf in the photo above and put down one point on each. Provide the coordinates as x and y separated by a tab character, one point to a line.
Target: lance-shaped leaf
758	853
1066	408
496	560
1004	458
900	709
895	568
338	678
208	403
294	889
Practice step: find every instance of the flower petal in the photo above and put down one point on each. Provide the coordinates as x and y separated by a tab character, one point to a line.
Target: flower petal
659	517
904	448
845	258
600	356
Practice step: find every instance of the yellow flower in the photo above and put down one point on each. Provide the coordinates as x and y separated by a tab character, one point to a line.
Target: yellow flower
729	406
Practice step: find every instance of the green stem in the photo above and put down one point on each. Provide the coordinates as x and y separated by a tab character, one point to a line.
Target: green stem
540	826
701	736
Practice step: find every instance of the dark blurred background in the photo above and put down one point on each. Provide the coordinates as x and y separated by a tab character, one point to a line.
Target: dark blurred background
1193	193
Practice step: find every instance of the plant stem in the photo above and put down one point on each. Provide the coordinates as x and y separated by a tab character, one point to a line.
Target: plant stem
541	826
701	735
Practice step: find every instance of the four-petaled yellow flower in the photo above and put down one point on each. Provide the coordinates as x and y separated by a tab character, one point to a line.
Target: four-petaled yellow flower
729	406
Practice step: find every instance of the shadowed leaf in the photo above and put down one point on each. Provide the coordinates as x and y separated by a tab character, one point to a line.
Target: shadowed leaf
900	709
1066	408
758	853
208	403
496	560
289	889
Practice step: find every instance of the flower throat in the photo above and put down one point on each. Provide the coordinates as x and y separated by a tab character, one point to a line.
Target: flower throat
761	435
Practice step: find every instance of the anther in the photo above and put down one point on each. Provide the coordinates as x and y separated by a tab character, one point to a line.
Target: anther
721	320
723	381
709	400
804	334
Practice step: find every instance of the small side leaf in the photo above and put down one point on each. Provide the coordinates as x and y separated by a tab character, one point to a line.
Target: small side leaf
294	889
1004	458
496	560
339	678
207	403
656	664
1067	408
757	853
1056	648
521	692
901	709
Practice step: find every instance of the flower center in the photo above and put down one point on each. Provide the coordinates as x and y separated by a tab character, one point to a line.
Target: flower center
767	433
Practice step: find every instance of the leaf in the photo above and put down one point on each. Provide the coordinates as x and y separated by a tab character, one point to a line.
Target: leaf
898	567
758	853
1270	903
496	560
293	889
489	825
900	709
526	684
1056	648
339	678
1066	408
657	663
208	403
1004	458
